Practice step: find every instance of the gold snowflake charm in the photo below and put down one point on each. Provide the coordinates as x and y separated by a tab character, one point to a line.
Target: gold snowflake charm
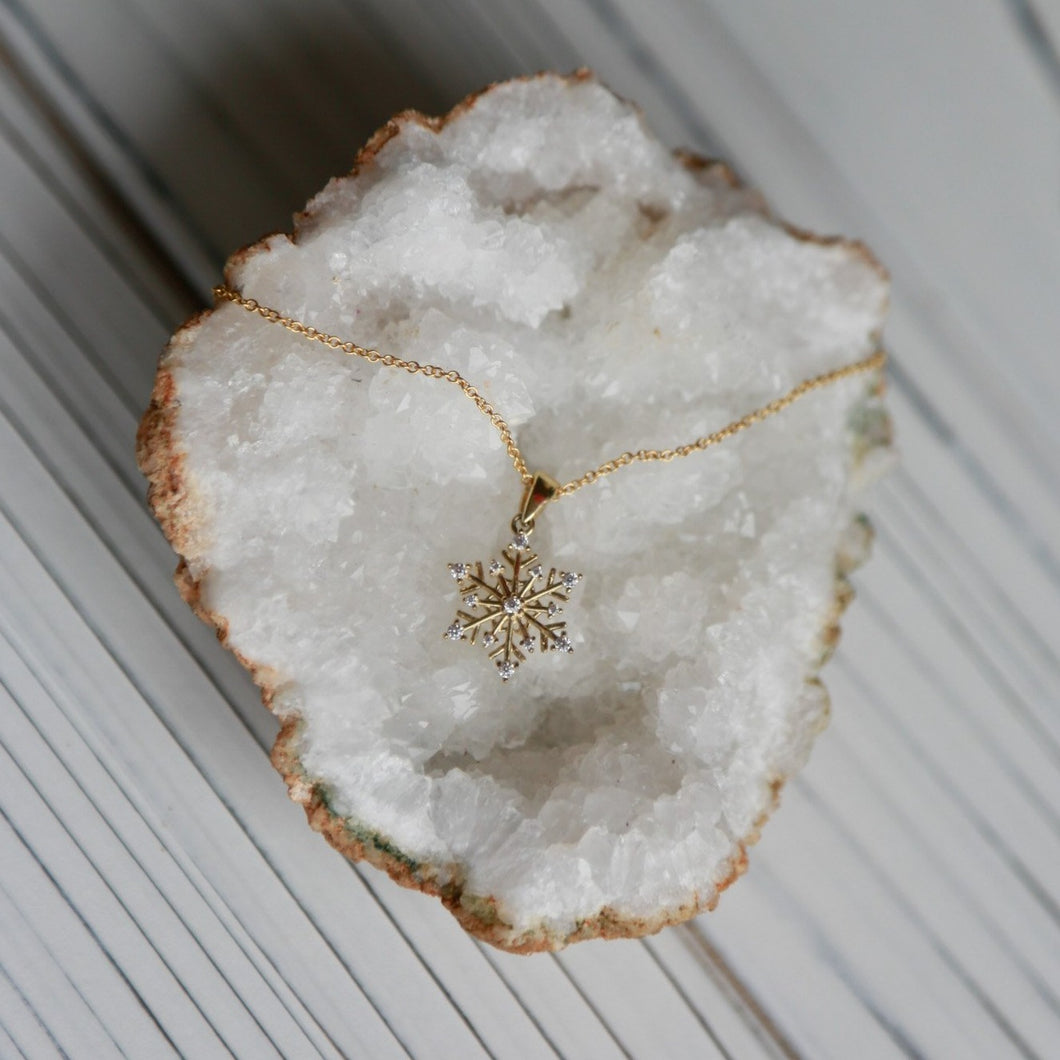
512	604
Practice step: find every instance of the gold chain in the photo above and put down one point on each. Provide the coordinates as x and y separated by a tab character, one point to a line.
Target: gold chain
876	360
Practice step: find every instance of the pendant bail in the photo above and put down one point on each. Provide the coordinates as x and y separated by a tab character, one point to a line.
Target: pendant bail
538	493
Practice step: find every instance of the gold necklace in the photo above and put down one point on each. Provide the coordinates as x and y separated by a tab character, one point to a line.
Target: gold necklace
514	603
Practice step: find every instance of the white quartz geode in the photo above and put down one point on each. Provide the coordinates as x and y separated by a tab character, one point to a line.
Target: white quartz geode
605	295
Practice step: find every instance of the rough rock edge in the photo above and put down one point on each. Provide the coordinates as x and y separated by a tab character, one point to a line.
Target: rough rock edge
169	495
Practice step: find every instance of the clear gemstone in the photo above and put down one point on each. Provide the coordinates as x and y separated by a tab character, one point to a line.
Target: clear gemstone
495	567
471	600
563	643
455	631
570	579
553	608
506	669
458	570
512	604
536	570
489	640
527	644
521	542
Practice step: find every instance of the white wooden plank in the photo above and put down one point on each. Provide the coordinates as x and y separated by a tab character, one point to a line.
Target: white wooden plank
62	971
131	174
90	37
982	587
901	979
975	705
133	859
970	771
1000	569
788	958
79	287
980	879
1040	24
494	1012
198	1017
1015	699
1000	984
22	1034
573	1028
323	74
605	971
943	714
63	171
696	970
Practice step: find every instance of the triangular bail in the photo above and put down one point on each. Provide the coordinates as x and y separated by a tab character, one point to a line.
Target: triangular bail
538	493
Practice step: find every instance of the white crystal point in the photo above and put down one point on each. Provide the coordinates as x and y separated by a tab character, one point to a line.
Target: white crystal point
604	297
455	631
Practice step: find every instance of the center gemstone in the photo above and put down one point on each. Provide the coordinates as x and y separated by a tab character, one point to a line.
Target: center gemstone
512	604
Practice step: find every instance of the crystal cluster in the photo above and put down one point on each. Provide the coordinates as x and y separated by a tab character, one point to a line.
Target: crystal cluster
603	295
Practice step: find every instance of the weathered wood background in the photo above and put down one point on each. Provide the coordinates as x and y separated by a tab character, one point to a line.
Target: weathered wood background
158	892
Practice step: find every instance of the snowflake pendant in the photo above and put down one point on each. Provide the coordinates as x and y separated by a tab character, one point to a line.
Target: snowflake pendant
512	605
